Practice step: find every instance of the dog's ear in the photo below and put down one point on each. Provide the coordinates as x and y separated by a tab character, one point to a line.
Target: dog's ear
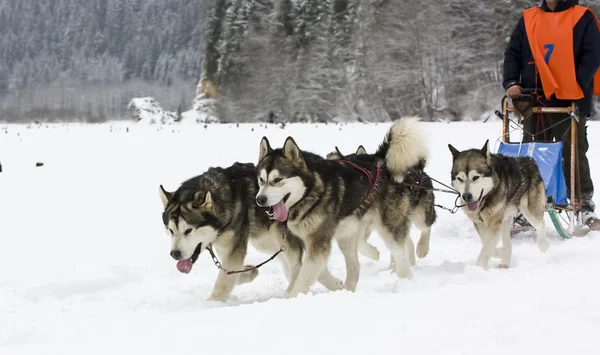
485	149
265	149
333	156
204	203
453	150
165	196
337	155
361	150
292	153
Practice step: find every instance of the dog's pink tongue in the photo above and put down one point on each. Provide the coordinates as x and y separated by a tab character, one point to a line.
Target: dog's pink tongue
184	266
473	206
280	212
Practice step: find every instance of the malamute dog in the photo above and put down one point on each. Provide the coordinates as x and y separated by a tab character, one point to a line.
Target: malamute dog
423	214
323	199
218	208
494	188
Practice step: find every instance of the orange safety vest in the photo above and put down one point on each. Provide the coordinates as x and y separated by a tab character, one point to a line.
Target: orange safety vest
550	36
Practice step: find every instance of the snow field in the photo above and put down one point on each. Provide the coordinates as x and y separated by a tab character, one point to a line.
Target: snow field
86	267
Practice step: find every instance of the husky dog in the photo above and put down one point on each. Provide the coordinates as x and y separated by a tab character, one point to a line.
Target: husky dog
218	208
323	199
494	188
423	213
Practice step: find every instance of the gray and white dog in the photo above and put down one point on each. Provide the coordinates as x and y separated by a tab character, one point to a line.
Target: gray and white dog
218	208
423	214
323	199
493	189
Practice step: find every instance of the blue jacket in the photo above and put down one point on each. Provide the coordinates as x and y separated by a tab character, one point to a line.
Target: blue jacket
586	46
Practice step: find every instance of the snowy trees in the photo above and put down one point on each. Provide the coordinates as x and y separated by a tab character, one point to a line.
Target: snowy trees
86	59
350	59
292	60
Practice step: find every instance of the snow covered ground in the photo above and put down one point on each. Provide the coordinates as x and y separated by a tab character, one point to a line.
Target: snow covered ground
85	265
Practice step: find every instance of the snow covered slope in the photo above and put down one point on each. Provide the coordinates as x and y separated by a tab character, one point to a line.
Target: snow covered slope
85	265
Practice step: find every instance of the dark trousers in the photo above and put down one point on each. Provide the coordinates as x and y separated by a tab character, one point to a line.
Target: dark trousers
553	126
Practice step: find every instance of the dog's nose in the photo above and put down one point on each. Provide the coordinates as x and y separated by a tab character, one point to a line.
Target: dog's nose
261	200
467	197
175	254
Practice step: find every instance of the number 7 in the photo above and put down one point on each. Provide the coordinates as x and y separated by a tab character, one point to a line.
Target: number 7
550	48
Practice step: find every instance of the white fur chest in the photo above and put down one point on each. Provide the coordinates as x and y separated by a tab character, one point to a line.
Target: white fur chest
305	226
225	240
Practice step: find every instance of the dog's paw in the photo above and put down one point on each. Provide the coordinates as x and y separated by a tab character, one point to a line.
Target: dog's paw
543	245
504	265
405	274
217	298
483	264
337	285
296	291
422	248
247	277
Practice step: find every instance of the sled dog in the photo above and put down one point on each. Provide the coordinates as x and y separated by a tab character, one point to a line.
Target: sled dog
323	199
493	188
422	215
218	208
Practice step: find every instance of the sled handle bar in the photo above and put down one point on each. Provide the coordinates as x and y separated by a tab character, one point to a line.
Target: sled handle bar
571	110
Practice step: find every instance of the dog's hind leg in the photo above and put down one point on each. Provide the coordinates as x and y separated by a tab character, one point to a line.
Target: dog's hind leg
348	243
400	249
403	261
533	207
392	265
329	281
423	217
366	249
410	250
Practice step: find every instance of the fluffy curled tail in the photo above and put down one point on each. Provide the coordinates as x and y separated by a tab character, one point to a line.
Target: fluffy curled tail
404	147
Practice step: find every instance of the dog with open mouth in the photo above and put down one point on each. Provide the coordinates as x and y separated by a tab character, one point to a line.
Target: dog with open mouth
493	188
217	208
322	200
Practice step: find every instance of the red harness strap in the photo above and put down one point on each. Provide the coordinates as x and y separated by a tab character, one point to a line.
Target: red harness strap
368	174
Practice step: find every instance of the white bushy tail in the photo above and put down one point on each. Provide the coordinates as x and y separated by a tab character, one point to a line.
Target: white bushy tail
404	147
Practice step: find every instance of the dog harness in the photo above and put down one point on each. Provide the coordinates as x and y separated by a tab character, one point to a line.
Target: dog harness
550	36
372	179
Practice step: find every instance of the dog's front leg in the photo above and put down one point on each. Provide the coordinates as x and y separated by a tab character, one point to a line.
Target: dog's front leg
490	234
505	253
230	260
396	237
318	248
291	259
329	281
367	249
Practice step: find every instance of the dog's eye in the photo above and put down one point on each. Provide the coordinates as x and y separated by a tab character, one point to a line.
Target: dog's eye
459	179
187	231
261	181
476	177
170	230
277	180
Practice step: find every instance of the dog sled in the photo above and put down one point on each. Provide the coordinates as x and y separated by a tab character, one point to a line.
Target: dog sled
563	210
